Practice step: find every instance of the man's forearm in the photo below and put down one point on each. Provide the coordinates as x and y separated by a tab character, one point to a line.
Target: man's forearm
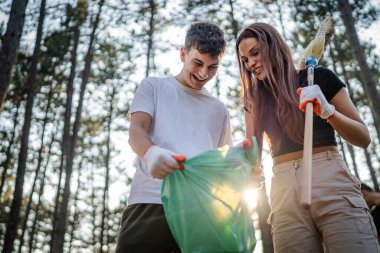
139	140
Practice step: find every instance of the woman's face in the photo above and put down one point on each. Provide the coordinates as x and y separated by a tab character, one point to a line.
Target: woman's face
250	55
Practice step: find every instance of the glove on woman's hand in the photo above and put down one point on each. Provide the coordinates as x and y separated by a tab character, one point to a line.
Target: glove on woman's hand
314	94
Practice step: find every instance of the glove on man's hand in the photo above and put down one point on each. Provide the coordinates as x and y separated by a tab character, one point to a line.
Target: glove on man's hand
314	94
160	161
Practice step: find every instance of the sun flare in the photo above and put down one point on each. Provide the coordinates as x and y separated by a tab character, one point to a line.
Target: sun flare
250	196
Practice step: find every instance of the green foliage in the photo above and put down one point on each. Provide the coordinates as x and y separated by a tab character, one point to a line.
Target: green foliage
20	77
79	13
56	46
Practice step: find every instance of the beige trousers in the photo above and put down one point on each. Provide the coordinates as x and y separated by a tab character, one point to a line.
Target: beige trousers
338	220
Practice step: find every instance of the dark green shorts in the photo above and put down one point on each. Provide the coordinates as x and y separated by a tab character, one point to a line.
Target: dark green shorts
144	230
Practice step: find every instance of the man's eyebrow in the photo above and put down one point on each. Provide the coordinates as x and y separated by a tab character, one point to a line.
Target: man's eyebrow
199	61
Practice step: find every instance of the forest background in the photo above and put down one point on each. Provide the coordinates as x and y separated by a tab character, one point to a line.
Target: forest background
68	72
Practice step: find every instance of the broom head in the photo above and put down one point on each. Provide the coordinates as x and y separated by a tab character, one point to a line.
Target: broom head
317	45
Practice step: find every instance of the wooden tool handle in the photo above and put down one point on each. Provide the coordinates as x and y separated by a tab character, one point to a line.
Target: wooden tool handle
307	157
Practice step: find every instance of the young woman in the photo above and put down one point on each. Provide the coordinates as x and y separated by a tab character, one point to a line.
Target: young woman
338	219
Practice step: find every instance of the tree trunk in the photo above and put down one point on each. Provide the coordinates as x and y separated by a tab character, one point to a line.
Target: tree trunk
61	225
234	23
38	168
263	210
65	144
352	154
349	146
12	223
94	209
10	42
74	221
153	10
340	142
8	152
369	84
217	85
346	81
40	193
281	18
107	165
66	129
371	170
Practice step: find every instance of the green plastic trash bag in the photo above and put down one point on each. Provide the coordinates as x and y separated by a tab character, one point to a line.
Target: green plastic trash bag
204	204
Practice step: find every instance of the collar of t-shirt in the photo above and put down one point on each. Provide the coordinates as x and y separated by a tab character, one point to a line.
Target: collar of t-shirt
187	89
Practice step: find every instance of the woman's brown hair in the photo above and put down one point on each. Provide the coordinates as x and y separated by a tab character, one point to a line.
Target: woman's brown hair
273	102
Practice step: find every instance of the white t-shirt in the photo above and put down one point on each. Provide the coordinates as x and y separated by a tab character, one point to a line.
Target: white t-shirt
184	120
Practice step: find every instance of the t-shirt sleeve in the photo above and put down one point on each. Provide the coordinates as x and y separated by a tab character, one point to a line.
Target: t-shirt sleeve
328	81
226	137
143	100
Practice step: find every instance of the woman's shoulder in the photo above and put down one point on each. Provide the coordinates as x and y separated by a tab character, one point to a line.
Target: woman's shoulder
321	74
319	70
324	72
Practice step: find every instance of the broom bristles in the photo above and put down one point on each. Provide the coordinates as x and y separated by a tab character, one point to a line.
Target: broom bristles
317	45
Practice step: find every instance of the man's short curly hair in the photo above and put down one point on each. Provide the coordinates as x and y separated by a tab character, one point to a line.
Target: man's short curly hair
207	38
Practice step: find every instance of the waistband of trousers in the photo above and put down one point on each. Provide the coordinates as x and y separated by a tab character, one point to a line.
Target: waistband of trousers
322	156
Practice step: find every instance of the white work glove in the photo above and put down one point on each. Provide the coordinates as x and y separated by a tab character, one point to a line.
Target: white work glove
160	161
314	94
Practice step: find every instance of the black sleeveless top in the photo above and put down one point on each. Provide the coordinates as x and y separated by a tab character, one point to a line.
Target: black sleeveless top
323	133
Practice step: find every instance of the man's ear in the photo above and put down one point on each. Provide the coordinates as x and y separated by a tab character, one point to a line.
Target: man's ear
183	54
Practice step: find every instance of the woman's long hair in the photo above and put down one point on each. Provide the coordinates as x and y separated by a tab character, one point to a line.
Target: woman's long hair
273	102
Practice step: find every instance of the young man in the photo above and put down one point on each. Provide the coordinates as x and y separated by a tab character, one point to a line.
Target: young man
171	115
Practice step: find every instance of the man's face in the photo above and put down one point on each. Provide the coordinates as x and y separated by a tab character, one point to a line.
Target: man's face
198	68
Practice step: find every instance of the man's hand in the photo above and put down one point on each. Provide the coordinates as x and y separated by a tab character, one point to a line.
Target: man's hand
314	94
372	198
160	162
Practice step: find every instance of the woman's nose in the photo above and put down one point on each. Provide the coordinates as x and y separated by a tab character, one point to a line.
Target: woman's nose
251	62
